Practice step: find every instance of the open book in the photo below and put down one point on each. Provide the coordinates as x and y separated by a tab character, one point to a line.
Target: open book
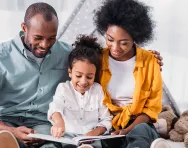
75	140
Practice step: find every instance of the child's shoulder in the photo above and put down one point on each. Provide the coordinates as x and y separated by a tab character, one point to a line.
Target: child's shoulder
64	85
97	86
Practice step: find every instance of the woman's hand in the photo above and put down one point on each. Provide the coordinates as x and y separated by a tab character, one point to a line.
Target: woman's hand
158	57
120	132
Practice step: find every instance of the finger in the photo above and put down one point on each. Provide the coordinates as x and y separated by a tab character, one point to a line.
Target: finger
25	137
154	52
26	130
161	69
59	132
160	63
158	57
115	133
122	132
51	130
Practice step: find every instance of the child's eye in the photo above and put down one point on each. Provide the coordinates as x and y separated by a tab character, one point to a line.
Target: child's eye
90	78
78	76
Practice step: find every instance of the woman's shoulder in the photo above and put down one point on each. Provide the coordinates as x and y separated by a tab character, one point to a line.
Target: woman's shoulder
147	55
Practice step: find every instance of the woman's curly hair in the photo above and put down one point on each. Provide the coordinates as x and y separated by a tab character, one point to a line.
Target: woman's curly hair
131	15
86	48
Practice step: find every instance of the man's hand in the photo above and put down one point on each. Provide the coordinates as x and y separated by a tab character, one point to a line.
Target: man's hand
158	57
22	132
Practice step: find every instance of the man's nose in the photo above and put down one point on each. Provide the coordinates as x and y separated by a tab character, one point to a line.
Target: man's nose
44	44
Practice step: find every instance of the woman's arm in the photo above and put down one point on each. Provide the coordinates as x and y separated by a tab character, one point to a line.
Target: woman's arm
142	118
153	103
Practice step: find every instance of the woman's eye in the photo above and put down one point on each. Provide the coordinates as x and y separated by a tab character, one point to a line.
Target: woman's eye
78	76
110	40
125	43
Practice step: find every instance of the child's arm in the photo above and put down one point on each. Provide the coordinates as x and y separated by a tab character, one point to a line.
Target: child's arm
55	113
58	129
97	131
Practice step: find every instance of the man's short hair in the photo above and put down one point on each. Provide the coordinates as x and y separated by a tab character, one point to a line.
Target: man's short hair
39	8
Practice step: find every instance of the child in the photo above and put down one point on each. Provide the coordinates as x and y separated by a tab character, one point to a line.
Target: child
77	107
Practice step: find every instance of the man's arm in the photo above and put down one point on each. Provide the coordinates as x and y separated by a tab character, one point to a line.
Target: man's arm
20	133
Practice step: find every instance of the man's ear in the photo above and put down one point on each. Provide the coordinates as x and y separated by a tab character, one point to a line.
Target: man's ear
24	28
70	72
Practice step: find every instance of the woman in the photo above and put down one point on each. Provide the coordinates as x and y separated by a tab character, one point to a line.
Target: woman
130	76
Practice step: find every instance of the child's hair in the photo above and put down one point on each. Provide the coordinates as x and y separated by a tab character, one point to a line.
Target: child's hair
86	48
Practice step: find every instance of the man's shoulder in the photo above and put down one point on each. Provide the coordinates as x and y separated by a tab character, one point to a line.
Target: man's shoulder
5	48
64	47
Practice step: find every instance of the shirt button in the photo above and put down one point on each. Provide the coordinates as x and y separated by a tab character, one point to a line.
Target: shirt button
80	118
40	89
40	73
81	108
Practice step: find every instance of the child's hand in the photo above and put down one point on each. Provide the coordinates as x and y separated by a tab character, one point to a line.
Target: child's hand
92	133
97	131
58	129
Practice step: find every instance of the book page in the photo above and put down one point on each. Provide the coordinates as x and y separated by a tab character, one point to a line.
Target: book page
51	138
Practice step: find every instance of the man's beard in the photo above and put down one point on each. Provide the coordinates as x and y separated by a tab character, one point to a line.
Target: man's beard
34	50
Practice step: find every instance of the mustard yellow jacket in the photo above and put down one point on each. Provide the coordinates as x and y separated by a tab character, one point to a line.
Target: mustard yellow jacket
147	96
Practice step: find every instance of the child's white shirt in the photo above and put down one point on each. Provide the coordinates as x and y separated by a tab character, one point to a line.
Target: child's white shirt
81	113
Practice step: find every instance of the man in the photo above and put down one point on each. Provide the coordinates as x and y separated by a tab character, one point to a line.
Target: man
31	66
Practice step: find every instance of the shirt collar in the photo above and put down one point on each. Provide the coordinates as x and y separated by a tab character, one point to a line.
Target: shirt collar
18	41
78	93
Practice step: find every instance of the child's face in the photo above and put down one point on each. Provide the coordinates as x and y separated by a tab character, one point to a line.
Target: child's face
82	75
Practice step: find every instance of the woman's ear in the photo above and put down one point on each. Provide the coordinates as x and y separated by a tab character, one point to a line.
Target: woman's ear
70	72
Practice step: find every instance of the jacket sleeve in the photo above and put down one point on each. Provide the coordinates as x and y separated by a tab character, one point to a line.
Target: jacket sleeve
153	105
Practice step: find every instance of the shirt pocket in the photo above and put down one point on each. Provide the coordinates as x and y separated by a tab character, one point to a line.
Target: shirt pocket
71	111
92	113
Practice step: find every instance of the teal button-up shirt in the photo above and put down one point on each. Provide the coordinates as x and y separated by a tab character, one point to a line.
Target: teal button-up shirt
26	89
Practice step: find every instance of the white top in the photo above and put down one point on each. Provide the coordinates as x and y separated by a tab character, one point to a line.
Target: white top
81	113
122	82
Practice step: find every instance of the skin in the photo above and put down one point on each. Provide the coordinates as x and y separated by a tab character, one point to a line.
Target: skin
82	76
120	45
39	36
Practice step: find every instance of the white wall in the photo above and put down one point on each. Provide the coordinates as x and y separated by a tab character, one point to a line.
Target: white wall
12	14
171	40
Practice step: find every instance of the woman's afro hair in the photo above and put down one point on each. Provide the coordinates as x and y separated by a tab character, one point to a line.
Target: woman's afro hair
131	15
